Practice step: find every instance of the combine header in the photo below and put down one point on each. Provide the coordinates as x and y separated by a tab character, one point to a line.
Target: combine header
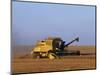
52	48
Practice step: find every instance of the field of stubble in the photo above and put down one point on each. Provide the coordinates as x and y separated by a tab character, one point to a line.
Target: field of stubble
22	62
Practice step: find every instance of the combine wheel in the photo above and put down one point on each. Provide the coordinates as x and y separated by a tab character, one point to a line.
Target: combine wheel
52	56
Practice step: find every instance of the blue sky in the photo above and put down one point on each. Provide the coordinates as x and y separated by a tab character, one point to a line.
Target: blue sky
35	21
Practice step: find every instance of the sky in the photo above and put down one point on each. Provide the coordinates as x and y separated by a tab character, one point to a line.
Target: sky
36	21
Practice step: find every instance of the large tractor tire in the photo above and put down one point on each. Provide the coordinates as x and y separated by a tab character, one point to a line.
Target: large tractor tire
52	56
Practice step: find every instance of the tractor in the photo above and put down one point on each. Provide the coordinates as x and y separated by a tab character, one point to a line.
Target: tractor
53	48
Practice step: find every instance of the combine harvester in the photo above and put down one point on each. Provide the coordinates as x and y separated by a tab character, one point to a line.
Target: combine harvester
53	48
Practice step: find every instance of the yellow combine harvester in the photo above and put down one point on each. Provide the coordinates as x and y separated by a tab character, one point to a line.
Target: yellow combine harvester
52	47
